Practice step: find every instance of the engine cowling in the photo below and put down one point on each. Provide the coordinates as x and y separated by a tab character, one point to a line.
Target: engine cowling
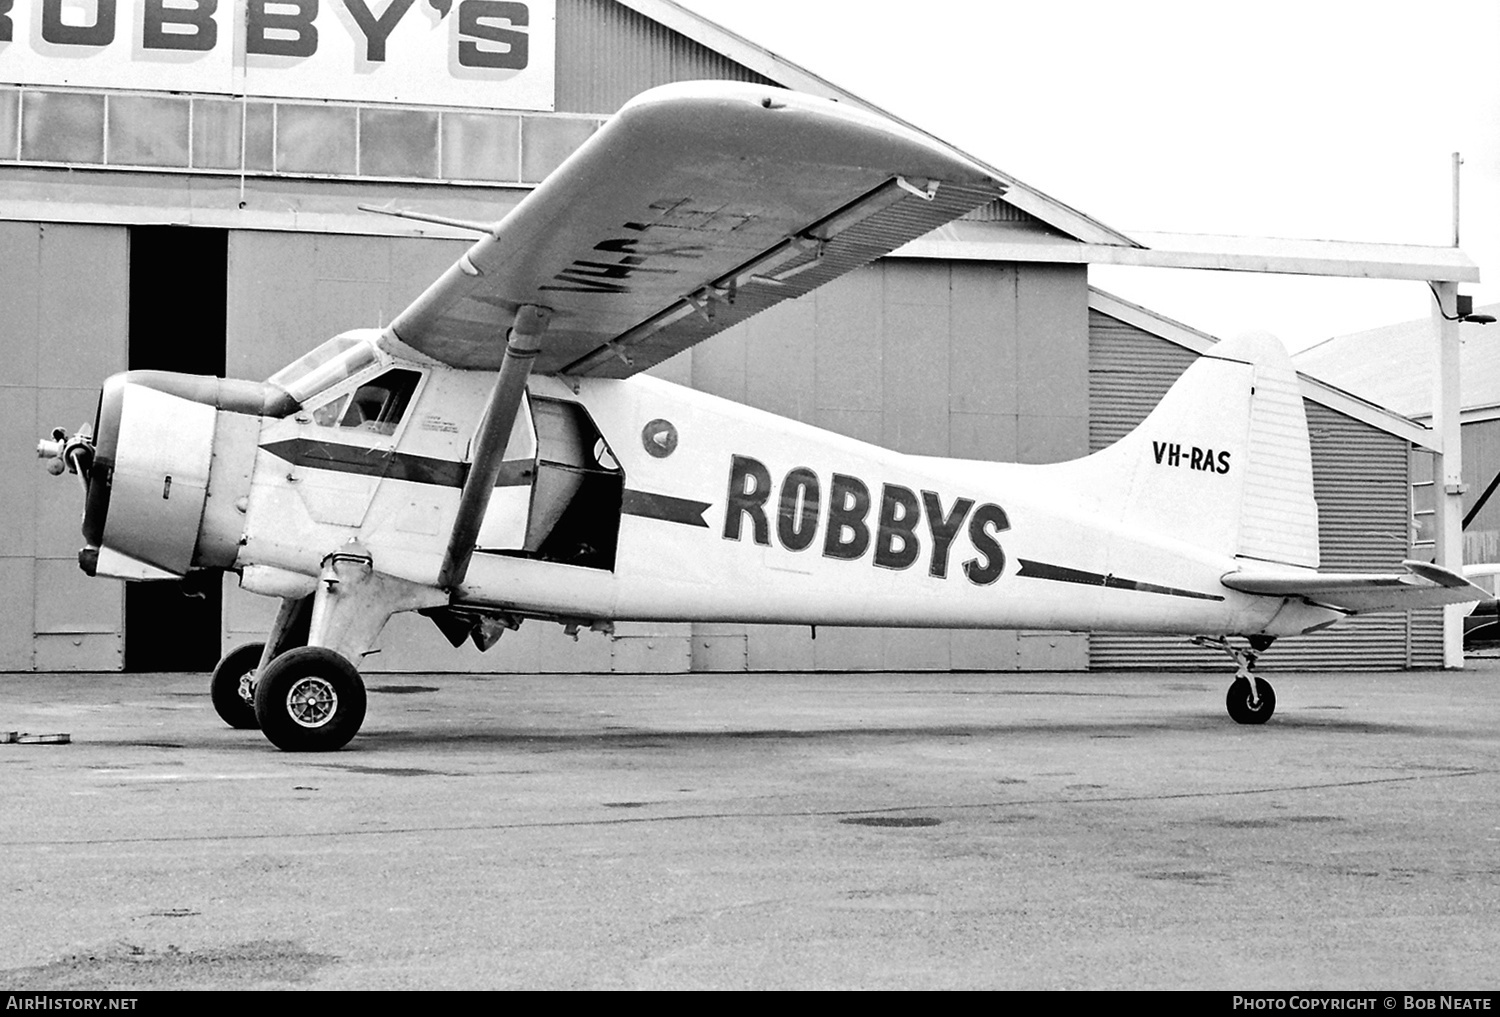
159	458
162	456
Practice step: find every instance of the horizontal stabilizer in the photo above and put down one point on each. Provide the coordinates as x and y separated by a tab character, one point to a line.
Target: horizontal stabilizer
1421	585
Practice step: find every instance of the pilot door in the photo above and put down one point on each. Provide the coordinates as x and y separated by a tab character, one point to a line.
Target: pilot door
560	503
345	442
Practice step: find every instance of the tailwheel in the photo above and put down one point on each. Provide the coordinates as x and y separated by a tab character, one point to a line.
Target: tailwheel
1243	704
1251	700
310	699
232	687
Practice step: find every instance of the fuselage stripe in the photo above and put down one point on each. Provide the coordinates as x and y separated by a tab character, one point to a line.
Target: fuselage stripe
391	465
1063	574
664	507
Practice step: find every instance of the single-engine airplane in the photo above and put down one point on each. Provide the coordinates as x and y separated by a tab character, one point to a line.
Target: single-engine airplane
494	454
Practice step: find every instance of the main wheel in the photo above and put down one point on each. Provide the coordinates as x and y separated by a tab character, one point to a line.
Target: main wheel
310	699
1240	707
232	687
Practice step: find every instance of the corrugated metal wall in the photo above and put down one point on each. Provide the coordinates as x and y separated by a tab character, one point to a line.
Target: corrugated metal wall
607	53
1361	482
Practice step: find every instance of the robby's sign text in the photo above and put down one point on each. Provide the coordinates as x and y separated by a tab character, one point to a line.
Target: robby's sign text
493	53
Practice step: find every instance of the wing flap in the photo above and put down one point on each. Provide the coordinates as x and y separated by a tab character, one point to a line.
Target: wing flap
794	266
1421	585
697	206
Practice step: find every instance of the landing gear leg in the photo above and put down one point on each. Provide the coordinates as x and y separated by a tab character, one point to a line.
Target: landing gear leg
311	698
1250	700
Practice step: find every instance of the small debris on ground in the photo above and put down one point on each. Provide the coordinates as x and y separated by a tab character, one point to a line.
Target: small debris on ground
24	738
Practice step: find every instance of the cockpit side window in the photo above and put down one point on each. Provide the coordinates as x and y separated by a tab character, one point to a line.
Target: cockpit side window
328	414
377	406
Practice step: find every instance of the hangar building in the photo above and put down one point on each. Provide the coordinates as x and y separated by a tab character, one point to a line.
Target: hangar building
1392	365
155	213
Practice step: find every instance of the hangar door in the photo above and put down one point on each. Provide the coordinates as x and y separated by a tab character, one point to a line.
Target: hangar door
64	291
1360	480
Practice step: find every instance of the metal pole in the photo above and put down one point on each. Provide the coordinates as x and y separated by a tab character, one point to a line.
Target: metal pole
1457	162
1448	469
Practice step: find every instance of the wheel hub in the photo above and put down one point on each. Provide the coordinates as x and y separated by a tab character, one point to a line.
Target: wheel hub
247	688
311	702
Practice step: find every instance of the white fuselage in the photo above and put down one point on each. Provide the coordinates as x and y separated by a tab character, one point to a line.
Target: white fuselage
736	515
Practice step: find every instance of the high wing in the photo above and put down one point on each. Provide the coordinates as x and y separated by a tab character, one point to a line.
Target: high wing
698	205
1421	585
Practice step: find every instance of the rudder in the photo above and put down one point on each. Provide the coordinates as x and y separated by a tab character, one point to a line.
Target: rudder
1279	517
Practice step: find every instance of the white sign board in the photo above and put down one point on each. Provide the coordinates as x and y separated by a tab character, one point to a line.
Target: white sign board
495	54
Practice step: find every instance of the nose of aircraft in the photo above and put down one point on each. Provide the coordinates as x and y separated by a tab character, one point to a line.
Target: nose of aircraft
146	466
163	448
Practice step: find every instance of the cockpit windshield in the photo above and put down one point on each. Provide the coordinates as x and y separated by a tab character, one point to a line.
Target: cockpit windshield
340	357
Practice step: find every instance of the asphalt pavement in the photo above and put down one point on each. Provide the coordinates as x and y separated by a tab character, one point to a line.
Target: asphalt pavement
771	831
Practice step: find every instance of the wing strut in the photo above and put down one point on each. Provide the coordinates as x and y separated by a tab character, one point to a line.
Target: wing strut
521	348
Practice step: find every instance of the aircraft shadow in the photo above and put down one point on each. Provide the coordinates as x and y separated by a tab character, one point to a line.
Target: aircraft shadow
387	739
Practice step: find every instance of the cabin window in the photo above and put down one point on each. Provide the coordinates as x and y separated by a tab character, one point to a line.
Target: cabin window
376	407
379	404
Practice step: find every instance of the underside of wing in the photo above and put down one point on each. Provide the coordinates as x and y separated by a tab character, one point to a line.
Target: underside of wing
1421	585
697	206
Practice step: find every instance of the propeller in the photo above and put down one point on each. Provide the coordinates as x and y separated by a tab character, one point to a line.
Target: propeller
74	454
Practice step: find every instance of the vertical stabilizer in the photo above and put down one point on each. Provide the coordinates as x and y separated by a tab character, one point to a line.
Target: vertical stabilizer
1223	462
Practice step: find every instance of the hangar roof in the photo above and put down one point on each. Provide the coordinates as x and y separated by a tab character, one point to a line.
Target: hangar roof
1393	365
1313	387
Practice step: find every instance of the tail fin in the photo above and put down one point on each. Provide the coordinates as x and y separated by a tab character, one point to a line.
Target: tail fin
1223	462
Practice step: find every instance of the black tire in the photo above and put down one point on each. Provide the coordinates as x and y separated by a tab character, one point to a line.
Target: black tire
1238	702
232	687
310	699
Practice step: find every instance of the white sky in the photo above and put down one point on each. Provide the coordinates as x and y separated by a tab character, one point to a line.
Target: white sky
1322	119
